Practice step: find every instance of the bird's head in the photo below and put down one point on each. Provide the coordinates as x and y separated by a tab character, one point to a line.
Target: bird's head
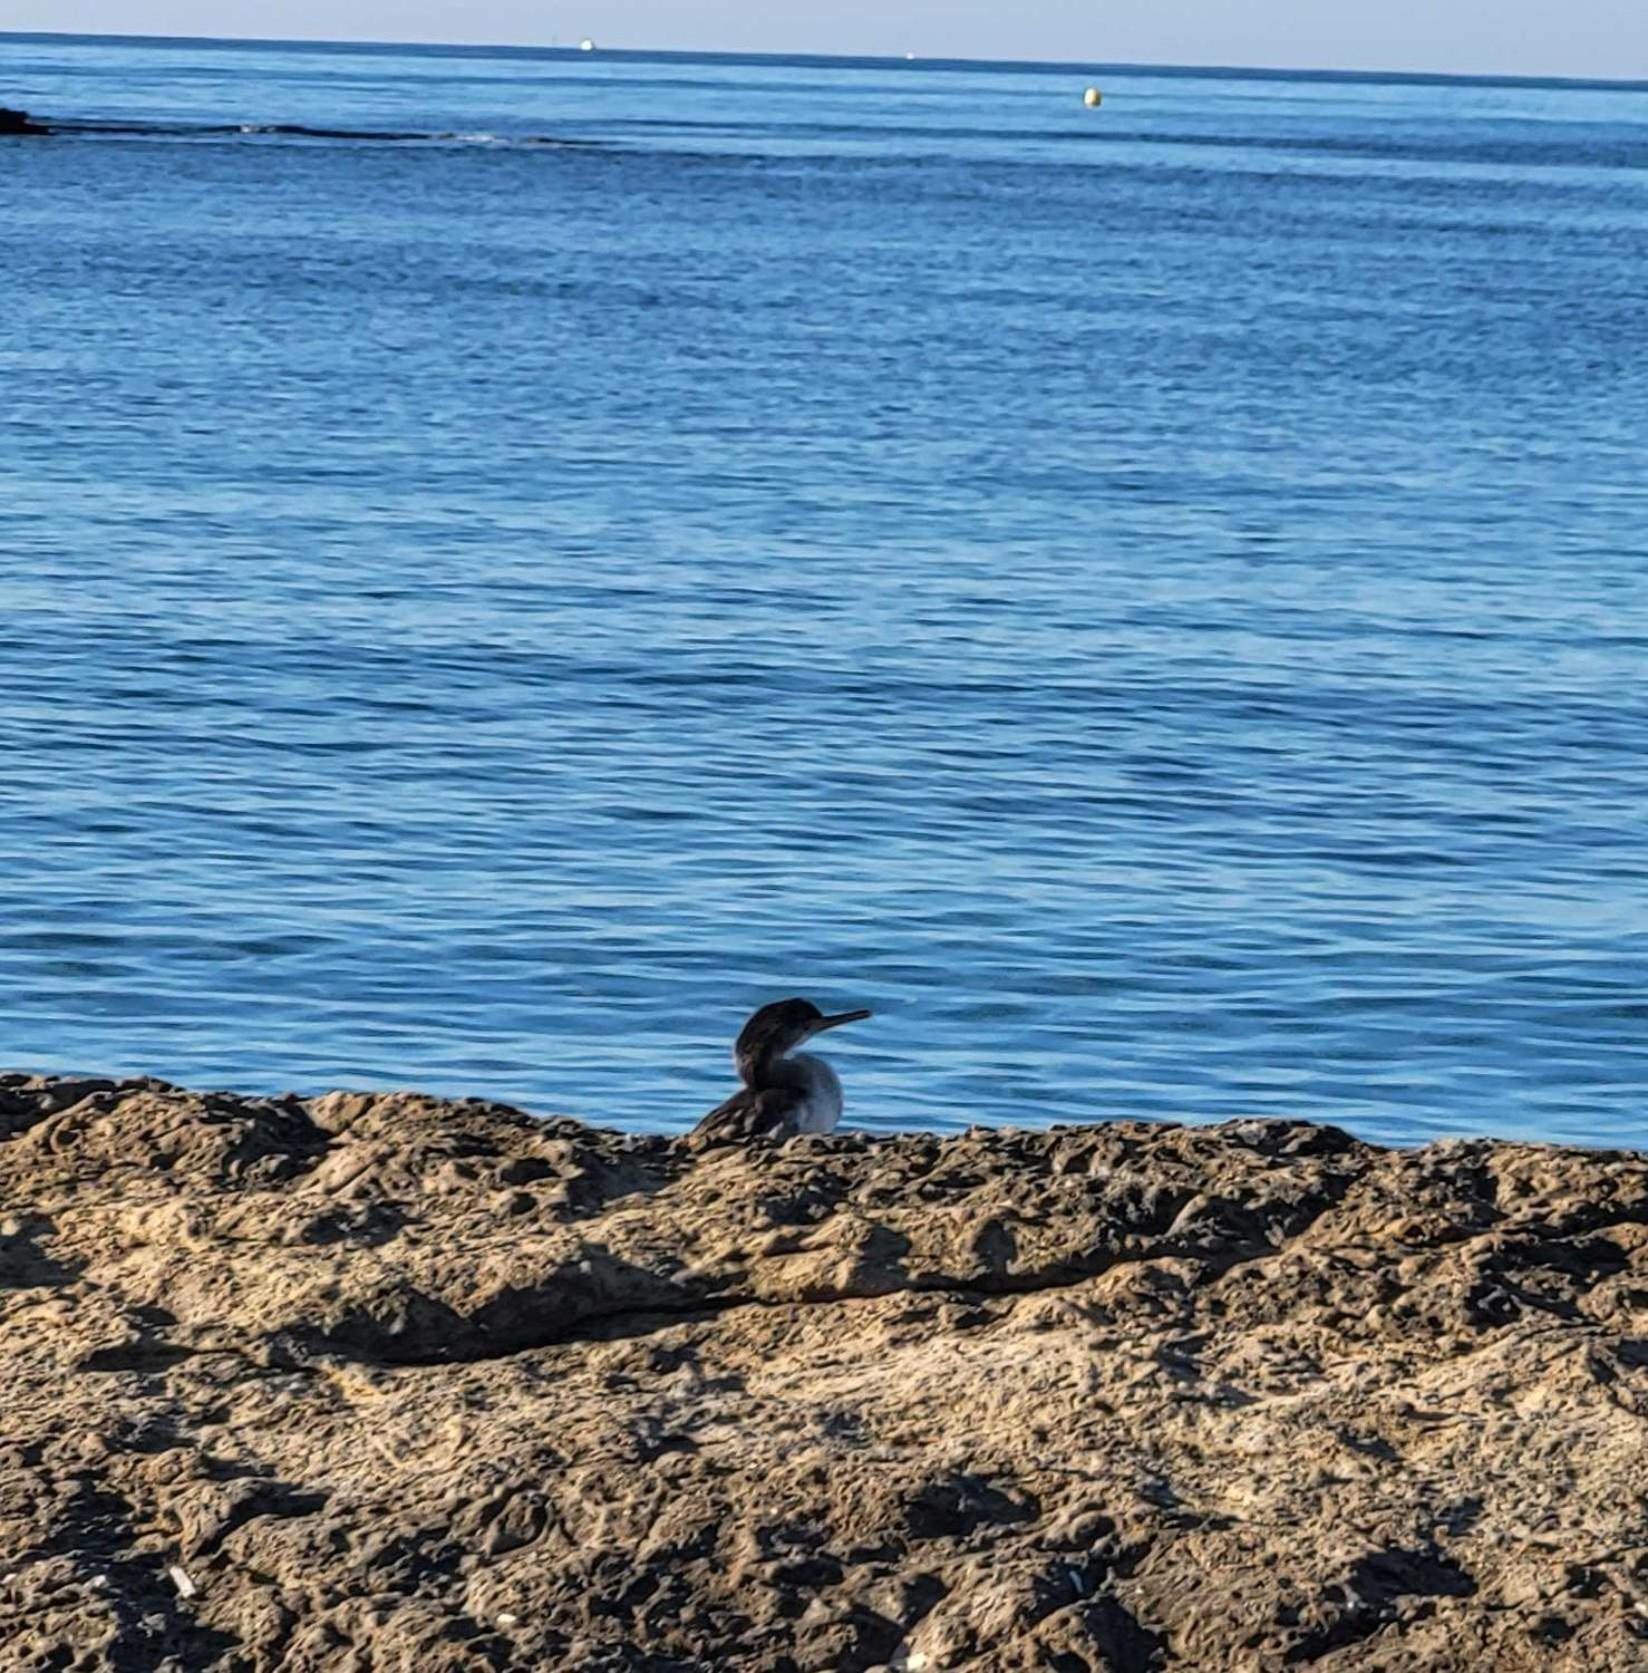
779	1028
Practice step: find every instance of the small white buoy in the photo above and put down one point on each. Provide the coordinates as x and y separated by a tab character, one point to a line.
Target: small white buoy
1092	98
586	46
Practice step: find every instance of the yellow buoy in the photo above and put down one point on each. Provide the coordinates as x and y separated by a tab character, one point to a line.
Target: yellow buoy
1092	98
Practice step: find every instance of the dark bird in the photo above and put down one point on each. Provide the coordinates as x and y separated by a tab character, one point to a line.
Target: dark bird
785	1091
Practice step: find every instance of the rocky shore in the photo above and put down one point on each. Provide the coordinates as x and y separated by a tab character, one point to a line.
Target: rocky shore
384	1382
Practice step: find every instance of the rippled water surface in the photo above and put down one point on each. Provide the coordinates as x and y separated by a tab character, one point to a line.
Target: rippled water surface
1154	601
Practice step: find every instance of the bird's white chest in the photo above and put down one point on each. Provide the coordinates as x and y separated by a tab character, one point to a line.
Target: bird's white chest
820	1093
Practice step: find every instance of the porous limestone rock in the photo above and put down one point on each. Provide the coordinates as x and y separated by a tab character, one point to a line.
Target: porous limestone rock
377	1381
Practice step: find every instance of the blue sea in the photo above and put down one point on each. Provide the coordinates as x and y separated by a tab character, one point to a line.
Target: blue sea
1153	600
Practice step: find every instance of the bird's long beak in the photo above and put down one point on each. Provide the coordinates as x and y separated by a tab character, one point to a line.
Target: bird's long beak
836	1022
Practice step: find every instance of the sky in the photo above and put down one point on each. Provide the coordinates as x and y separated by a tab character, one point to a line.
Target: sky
1490	37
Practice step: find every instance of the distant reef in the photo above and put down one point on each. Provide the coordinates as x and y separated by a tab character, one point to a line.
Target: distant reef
20	122
381	1380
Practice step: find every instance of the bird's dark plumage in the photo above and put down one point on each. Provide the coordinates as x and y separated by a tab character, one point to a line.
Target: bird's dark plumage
748	1114
782	1094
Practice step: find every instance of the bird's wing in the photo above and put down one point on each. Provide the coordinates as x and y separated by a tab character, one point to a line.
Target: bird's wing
768	1114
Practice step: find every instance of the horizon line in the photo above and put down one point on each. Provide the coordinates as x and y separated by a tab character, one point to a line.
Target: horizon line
846	59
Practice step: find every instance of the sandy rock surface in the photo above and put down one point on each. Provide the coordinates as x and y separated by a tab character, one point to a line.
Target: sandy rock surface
381	1382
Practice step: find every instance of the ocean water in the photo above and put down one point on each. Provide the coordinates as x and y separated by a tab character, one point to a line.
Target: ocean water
1153	601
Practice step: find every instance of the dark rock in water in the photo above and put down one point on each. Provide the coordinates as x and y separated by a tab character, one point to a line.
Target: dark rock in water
19	122
378	1379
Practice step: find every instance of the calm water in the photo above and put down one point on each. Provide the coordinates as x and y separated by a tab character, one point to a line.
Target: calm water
1154	601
